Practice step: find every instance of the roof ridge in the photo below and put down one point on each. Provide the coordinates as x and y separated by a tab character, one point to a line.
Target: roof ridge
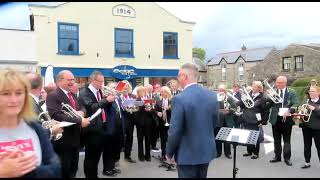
247	50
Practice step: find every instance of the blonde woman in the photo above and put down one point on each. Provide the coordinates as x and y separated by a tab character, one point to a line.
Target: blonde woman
25	149
163	111
143	119
253	118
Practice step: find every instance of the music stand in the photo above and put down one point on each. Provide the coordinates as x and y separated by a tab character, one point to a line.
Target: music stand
236	137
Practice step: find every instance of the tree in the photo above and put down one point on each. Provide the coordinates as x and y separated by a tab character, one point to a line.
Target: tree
200	53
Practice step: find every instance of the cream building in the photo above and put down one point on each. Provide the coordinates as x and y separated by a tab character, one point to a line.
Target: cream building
138	41
18	49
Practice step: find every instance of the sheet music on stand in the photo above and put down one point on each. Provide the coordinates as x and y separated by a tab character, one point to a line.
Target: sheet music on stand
237	137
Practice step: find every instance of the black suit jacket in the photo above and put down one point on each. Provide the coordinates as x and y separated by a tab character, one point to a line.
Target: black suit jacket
89	101
71	134
36	107
158	108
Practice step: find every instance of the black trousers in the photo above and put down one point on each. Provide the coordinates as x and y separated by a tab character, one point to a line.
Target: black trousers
308	134
282	130
255	149
128	139
69	158
192	171
154	132
94	146
227	145
111	151
163	138
144	135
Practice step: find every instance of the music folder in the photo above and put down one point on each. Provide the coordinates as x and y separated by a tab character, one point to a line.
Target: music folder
132	102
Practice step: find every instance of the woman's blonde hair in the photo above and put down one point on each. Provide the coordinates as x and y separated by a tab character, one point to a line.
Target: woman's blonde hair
258	84
141	91
167	90
129	86
10	78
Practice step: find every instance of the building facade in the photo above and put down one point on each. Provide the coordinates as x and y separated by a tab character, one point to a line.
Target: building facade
231	67
18	49
294	61
140	42
202	70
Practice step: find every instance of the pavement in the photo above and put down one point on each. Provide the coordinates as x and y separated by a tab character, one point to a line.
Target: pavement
223	167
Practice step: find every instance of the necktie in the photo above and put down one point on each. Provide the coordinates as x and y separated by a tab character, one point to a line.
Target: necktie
104	118
72	101
281	93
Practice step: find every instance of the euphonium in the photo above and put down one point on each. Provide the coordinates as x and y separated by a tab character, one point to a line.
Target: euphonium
47	123
271	93
246	98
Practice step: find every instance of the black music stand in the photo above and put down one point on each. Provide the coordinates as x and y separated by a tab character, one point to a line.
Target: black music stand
236	137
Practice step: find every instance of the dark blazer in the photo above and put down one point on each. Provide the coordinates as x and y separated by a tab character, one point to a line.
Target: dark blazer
71	134
50	166
249	114
144	118
290	101
158	108
238	96
193	118
314	121
36	107
115	124
89	101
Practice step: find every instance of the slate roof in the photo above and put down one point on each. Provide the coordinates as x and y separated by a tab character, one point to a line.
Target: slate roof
249	55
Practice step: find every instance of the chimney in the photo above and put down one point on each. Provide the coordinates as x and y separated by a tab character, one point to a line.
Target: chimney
243	48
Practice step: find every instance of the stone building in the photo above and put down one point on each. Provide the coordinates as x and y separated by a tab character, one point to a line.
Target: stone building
294	61
231	67
202	70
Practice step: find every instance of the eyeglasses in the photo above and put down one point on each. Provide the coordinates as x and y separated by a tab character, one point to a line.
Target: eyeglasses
69	80
99	81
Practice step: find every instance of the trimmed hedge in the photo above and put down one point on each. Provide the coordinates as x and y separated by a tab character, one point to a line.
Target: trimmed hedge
300	91
304	82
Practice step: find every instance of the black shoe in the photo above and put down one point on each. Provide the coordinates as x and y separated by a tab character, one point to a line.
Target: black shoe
141	159
247	154
275	160
228	156
147	158
129	159
118	171
288	162
305	166
109	173
255	157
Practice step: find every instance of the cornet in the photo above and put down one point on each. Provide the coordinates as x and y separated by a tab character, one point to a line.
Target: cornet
246	98
68	110
271	93
304	111
47	123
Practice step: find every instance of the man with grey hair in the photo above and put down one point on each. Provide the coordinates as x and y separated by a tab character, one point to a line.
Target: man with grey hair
193	118
281	120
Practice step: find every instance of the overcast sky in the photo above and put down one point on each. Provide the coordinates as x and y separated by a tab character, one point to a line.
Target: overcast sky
226	26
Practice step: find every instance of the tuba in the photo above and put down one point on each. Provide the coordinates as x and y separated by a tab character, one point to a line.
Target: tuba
246	98
271	93
47	123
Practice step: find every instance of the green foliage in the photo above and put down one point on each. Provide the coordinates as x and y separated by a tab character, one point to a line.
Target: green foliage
200	52
300	91
304	82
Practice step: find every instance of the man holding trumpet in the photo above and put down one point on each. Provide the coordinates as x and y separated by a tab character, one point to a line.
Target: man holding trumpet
68	146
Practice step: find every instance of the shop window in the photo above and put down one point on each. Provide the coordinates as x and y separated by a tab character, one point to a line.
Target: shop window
68	38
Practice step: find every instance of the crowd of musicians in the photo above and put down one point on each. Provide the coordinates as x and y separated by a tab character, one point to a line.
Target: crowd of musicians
111	132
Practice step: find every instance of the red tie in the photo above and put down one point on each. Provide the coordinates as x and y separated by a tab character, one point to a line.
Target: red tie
104	118
126	96
72	101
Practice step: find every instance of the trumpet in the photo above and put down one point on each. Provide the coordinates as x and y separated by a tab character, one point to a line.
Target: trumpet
271	93
47	123
67	109
246	98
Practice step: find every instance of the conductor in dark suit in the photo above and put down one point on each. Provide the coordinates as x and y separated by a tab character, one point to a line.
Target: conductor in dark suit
68	146
190	137
92	99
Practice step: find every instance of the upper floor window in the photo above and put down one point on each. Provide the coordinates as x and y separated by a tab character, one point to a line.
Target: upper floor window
123	42
170	45
223	74
68	38
286	63
241	75
298	62
223	66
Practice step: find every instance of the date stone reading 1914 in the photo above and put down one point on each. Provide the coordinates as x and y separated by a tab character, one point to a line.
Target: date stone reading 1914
123	10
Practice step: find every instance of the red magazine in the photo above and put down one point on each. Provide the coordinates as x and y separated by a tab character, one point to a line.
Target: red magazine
120	87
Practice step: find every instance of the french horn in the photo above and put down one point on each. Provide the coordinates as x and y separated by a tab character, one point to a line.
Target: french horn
47	123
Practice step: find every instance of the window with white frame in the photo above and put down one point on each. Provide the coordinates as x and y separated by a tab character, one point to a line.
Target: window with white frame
223	72
298	62
286	63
